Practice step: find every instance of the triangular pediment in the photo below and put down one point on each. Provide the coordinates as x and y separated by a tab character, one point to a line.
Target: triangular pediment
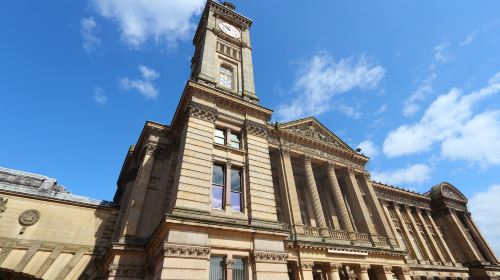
311	128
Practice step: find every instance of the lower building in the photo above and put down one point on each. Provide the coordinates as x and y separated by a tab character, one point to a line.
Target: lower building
223	194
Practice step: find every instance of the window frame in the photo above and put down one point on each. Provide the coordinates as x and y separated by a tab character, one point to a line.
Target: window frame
240	192
229	69
223	187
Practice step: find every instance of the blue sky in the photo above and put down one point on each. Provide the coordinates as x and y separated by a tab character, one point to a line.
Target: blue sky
413	83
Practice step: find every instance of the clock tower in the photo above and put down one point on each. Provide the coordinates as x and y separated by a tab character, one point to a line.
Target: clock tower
223	54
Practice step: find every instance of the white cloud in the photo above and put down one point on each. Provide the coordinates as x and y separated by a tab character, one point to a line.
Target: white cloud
450	120
145	85
164	21
89	30
368	148
441	52
322	77
99	96
485	213
381	110
411	105
413	174
470	37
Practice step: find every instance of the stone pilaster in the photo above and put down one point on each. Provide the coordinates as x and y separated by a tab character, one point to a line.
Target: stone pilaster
420	238
389	219
339	200
407	235
229	269
458	230
306	270
440	237
313	190
478	238
429	237
289	191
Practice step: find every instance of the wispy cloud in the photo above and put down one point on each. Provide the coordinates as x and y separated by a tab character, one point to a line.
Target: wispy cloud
470	37
89	31
452	121
162	21
99	96
321	78
412	174
144	86
411	104
441	52
484	206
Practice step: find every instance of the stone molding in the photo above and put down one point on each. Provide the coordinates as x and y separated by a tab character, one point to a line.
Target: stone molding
311	133
29	217
186	251
229	264
306	265
126	270
256	128
221	10
272	257
202	112
401	196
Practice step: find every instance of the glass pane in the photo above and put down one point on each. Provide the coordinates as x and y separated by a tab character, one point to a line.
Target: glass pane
235	180
218	175
236	201
239	270
216	196
219	136
216	268
235	140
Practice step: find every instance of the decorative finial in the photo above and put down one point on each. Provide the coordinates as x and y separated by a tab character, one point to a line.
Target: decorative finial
229	5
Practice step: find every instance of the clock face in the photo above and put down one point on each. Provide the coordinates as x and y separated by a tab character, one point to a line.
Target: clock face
229	29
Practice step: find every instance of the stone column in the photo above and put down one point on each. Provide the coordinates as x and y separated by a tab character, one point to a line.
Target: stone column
229	269
406	233
362	272
289	192
389	219
385	273
313	190
339	201
357	202
480	241
420	238
440	237
333	271
379	216
429	237
306	270
139	191
458	230
403	273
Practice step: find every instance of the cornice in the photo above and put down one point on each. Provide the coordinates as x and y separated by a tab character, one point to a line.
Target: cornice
230	15
401	196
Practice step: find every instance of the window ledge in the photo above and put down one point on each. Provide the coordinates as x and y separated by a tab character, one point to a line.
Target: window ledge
229	148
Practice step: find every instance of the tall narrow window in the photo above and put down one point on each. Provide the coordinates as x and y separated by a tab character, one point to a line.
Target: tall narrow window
219	136
226	77
235	140
236	190
217	268
239	269
217	195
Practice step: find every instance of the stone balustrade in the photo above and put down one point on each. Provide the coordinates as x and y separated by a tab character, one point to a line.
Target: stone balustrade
338	234
362	237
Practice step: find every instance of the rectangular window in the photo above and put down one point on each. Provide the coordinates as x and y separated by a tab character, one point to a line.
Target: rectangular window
217	268
239	269
235	140
236	190
217	194
220	136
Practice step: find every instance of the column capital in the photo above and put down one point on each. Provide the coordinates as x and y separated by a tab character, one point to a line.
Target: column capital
229	264
151	148
387	269
362	268
334	267
306	265
285	152
307	159
331	165
228	163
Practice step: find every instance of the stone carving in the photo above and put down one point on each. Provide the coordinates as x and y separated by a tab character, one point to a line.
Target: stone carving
151	149
452	193
230	264
3	204
201	111
228	12
173	250
312	133
29	217
387	269
273	257
256	128
306	265
400	196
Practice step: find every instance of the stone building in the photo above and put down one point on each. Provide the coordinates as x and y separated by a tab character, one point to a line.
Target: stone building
223	194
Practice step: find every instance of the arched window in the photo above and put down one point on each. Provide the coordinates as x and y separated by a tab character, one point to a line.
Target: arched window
226	76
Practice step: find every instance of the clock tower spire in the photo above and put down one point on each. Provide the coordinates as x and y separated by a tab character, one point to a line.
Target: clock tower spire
223	54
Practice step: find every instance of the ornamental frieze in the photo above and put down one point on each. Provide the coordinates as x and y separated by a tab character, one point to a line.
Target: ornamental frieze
312	133
184	251
201	111
400	197
272	257
256	128
29	217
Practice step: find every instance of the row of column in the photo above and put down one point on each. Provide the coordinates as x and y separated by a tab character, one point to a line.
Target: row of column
427	246
354	193
360	271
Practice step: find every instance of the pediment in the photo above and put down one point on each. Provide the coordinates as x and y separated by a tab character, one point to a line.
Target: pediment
312	129
448	190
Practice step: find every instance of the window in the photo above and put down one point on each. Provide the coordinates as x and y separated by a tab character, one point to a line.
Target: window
217	194
239	269
236	190
226	77
217	268
235	140
220	136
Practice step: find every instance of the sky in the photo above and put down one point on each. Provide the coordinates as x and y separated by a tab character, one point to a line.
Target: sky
414	84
